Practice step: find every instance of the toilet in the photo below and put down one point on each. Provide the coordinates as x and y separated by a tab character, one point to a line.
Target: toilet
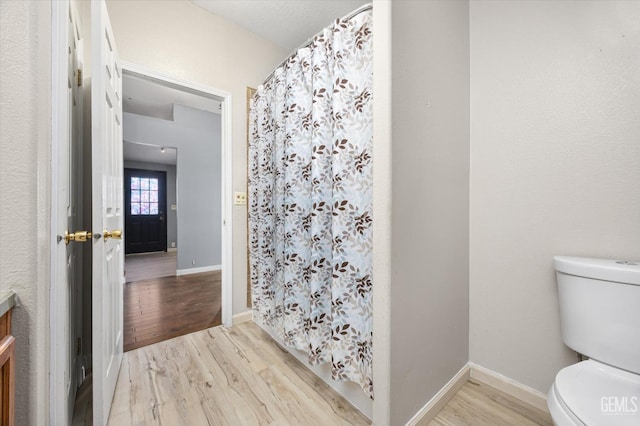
600	319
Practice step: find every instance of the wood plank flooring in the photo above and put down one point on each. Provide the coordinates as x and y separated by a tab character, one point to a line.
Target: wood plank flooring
221	376
83	409
150	265
477	404
161	308
240	376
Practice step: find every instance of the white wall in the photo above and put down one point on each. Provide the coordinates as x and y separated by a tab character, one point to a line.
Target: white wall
555	167
430	201
25	136
180	39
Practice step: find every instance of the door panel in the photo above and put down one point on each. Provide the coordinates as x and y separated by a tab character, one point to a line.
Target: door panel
66	310
107	211
145	206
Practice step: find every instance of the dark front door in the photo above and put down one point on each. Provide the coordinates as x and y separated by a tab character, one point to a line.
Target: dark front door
145	198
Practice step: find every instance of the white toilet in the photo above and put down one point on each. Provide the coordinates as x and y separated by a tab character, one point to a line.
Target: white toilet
600	317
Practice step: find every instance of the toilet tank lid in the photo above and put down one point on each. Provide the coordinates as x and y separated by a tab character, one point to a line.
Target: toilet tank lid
620	271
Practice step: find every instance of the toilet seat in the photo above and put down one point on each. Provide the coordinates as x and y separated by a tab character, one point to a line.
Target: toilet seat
560	413
592	393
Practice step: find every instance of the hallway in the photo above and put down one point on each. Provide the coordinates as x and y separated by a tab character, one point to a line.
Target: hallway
158	309
144	266
158	305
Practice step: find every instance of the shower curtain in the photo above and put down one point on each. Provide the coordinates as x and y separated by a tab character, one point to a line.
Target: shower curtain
310	190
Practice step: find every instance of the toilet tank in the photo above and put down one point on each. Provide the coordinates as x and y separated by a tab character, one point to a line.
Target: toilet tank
600	309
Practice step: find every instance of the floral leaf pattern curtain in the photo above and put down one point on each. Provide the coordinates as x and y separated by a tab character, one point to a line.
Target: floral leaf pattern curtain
310	200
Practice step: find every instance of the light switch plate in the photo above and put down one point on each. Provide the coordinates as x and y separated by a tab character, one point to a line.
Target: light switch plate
240	198
174	207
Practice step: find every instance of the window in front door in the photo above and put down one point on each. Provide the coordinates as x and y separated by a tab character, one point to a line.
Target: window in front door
144	196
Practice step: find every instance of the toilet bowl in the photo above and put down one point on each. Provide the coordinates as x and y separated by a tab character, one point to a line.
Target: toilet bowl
600	318
592	393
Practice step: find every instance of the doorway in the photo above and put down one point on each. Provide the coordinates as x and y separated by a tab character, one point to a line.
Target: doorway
173	210
145	203
152	255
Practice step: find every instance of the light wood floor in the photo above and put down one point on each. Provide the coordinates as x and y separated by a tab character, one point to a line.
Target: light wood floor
145	266
240	376
477	404
162	308
223	376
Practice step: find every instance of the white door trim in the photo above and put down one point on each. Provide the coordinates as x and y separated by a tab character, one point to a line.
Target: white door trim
59	114
227	183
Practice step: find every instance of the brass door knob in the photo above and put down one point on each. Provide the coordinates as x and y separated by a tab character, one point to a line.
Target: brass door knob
79	236
116	234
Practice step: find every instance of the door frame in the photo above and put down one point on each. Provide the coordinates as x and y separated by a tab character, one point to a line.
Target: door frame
227	170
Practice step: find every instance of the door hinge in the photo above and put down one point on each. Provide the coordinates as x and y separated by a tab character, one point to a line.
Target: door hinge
79	78
79	346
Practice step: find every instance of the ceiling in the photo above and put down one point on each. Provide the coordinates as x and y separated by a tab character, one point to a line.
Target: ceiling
287	23
149	153
147	97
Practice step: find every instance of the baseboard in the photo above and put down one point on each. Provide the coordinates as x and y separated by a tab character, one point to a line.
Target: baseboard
440	399
189	271
479	373
509	386
242	317
172	249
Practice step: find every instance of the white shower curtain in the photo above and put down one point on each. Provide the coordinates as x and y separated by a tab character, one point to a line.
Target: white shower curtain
310	190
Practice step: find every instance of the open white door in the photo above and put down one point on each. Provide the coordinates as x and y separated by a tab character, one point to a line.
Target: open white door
107	213
66	291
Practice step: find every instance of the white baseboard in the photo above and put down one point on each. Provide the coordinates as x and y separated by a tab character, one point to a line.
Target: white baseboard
242	317
509	386
440	399
172	249
479	373
189	271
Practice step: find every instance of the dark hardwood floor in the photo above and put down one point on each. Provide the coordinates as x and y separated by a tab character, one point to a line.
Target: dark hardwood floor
150	265
162	308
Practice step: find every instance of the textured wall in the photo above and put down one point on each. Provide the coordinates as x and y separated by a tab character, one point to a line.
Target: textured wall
180	39
25	114
430	201
555	167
